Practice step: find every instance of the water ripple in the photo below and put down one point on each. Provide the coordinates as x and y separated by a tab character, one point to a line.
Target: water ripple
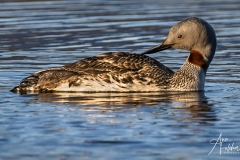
37	35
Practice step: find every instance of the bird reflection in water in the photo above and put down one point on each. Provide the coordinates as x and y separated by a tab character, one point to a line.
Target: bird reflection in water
194	104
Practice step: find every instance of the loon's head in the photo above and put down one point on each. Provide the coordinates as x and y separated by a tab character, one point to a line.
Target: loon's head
194	35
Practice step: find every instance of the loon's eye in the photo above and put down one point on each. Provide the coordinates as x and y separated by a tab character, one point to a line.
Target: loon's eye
180	36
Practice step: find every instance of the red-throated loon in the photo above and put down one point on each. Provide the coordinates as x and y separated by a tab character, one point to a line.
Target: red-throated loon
129	72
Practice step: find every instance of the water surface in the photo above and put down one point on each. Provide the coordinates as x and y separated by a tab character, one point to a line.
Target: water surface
36	35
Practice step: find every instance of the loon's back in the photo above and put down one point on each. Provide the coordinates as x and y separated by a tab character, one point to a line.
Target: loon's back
113	71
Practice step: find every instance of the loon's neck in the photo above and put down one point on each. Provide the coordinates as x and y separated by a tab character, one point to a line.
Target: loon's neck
191	76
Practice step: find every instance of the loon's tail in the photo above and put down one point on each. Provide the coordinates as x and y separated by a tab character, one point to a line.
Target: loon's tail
27	84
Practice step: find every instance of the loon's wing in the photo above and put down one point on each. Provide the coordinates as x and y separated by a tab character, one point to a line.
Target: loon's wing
119	62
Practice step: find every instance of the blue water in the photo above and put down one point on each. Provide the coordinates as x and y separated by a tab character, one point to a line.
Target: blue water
36	35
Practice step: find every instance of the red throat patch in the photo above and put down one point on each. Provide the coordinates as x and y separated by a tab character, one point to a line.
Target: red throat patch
197	59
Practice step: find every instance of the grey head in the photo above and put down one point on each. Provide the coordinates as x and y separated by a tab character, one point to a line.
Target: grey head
193	34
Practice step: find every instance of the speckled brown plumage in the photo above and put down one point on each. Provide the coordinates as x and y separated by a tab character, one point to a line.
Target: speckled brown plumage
113	67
